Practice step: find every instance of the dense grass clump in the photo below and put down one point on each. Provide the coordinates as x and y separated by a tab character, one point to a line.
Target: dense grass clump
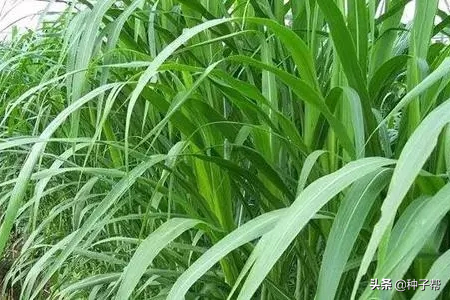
240	149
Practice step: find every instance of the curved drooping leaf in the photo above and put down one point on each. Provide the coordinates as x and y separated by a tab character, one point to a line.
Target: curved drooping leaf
273	244
439	271
409	237
244	234
148	250
413	157
118	190
152	69
346	227
19	189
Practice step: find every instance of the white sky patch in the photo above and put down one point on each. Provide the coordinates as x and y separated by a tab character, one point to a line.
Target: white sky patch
25	14
408	14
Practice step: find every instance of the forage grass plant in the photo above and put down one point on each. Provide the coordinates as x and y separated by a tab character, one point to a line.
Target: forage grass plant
226	149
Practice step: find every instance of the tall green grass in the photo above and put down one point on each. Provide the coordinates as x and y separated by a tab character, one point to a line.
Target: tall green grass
239	149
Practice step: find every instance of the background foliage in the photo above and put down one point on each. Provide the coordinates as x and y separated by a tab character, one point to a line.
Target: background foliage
206	149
